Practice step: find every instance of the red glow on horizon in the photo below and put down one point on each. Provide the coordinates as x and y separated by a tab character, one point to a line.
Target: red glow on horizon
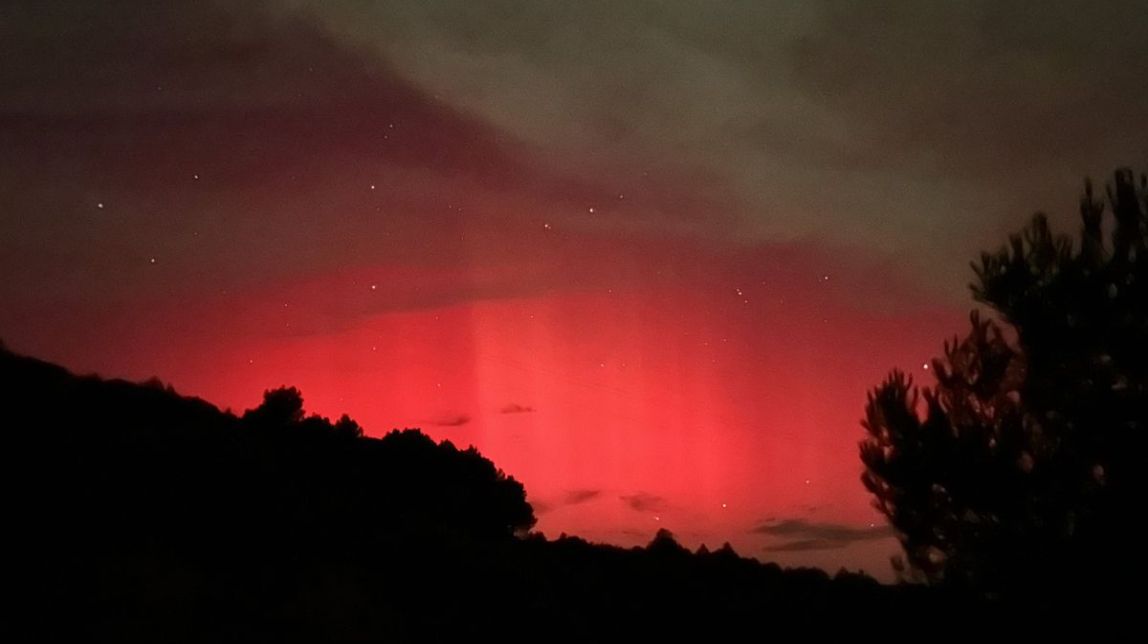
705	411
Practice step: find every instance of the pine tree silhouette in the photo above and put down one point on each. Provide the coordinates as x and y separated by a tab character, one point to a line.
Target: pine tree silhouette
1022	473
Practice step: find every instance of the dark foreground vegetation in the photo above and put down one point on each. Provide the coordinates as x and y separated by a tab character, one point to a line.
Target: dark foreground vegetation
1022	471
135	514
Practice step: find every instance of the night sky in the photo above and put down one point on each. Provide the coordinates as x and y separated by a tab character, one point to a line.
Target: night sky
647	256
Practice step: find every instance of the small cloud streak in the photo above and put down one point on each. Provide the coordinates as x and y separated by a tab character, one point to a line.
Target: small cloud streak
643	502
515	408
452	421
574	497
801	535
805	545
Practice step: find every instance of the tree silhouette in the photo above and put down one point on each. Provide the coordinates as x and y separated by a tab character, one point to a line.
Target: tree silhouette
137	514
1023	470
281	407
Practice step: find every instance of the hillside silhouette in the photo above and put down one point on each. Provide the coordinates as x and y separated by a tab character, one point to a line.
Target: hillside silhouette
137	514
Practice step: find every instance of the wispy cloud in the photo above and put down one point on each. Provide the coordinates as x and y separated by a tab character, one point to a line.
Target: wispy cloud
574	497
643	502
515	408
451	421
803	535
803	545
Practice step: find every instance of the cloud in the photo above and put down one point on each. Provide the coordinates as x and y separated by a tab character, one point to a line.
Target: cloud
276	137
574	497
974	89
267	135
155	89
451	421
796	96
643	502
805	545
515	408
803	535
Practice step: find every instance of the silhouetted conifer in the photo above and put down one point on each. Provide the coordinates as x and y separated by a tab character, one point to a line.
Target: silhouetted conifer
1023	470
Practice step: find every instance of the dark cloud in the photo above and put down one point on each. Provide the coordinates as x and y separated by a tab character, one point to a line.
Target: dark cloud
979	89
451	421
970	113
643	502
805	545
223	138
515	408
574	497
800	534
242	90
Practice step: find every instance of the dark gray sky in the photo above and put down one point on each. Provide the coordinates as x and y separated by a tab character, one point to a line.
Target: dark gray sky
913	127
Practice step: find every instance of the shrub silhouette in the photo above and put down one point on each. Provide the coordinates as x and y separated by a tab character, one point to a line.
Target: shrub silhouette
282	407
1023	473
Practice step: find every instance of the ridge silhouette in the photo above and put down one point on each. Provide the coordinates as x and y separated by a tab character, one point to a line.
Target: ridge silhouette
137	514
